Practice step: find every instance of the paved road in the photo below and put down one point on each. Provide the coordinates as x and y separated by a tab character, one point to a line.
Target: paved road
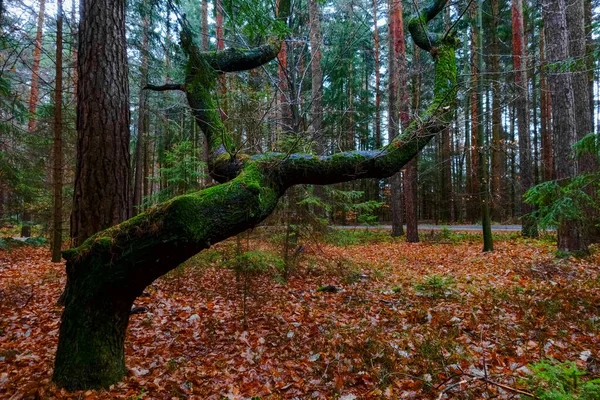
428	227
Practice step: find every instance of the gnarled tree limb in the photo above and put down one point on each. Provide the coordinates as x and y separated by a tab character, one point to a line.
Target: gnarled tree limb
110	269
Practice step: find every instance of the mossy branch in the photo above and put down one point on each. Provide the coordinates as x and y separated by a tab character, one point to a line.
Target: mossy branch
110	269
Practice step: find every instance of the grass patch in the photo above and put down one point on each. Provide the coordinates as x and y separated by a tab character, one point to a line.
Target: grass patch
353	237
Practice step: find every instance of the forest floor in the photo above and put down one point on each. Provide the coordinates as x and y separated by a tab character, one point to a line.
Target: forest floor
360	317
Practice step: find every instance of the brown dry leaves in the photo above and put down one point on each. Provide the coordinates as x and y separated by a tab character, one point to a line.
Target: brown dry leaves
378	337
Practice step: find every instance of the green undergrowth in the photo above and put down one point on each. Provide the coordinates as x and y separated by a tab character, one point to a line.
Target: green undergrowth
353	237
436	286
553	380
10	243
252	262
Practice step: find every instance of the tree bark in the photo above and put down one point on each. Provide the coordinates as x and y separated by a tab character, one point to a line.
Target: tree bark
545	112
110	269
581	93
204	16
221	46
412	167
570	235
474	204
484	196
57	152
142	122
102	176
398	103
316	105
529	225
578	51
498	151
378	141
33	101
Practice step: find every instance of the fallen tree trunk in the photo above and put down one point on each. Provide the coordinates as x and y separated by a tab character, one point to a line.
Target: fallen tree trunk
110	269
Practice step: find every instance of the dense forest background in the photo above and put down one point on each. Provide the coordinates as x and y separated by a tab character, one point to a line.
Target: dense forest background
346	79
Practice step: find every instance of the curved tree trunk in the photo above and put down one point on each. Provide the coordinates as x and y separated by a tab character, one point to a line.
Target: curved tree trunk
110	269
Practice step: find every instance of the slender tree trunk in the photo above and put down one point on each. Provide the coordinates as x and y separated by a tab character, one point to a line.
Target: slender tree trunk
142	122
205	35
33	102
446	197
468	192
498	151
398	103
57	153
316	105
534	105
577	51
474	203
377	78
484	197
590	46
445	203
73	48
570	235
221	46
205	46
545	126
529	225
102	177
35	70
411	170
513	159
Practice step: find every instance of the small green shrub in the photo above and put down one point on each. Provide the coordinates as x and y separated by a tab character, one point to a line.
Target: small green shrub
436	286
552	380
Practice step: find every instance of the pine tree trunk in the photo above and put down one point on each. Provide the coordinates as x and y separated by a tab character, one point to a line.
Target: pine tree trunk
102	177
446	203
570	235
205	35
221	46
316	105
498	151
545	111
484	198
142	122
529	225
377	78
33	101
474	204
398	104
57	152
411	172
578	51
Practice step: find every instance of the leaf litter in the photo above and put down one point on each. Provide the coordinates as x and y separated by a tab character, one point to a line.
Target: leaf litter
383	334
